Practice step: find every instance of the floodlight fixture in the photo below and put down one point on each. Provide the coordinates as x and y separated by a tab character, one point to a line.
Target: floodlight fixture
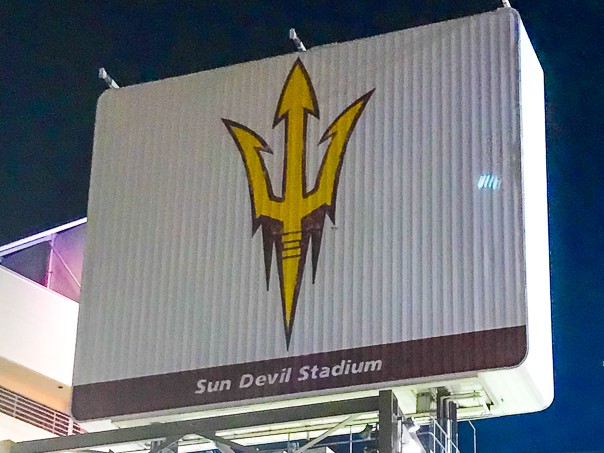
297	41
103	75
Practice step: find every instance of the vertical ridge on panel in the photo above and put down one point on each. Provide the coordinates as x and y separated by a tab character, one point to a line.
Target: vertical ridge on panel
146	157
211	262
398	174
487	146
347	257
123	244
139	265
376	174
308	294
474	171
152	136
247	257
118	229
198	271
302	315
360	312
168	269
387	299
257	317
493	225
366	314
448	149
406	127
271	311
511	156
356	203
477	170
509	94
224	239
228	240
461	190
517	274
123	309
358	233
439	306
430	199
177	304
111	170
170	299
504	49
501	68
334	262
188	240
199	216
382	141
443	181
229	247
465	174
519	243
130	176
416	190
338	262
454	118
381	282
154	268
247	316
202	255
373	166
342	259
361	181
426	184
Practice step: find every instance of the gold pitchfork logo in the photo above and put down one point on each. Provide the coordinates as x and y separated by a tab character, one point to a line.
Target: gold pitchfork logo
293	221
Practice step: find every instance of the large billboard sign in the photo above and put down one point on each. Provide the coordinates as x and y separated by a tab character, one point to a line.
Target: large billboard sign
354	217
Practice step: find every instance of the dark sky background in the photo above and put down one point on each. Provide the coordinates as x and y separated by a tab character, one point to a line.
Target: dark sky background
50	52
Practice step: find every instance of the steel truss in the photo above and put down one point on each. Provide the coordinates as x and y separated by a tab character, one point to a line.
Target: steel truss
206	427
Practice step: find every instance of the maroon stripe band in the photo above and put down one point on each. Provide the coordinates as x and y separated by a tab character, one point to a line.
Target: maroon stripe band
358	368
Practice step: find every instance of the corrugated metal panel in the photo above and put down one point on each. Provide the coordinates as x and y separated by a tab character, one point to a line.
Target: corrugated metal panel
174	279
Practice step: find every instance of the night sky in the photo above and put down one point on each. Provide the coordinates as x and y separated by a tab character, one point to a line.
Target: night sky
50	52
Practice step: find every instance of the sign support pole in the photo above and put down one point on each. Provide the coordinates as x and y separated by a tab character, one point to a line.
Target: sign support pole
389	439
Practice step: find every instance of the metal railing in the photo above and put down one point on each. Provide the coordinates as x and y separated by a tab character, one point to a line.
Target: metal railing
435	439
37	414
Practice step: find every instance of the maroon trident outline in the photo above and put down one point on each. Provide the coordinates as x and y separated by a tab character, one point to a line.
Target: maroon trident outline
295	220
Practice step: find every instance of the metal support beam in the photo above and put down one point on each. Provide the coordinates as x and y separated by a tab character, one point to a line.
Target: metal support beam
441	414
163	444
207	425
390	414
63	262
234	445
452	422
316	440
37	238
